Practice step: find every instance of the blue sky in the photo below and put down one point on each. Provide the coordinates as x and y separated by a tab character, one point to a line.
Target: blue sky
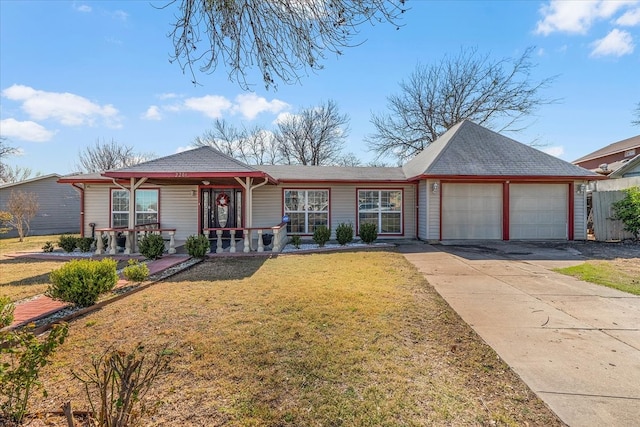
74	72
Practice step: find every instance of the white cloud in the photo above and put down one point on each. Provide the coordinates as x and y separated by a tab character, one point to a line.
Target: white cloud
556	151
183	149
210	105
169	95
120	15
578	16
67	108
152	113
616	43
282	117
250	105
630	18
83	8
26	131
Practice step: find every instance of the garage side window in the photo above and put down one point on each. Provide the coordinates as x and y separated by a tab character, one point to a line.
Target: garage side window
307	209
381	207
146	207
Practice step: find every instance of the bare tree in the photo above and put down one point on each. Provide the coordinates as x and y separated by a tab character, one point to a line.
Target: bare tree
496	94
5	151
314	136
109	155
252	146
23	207
16	174
281	38
636	114
348	160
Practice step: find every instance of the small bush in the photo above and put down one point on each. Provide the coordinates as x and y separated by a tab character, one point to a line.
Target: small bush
296	241
321	235
84	244
68	243
197	246
628	211
152	246
368	232
80	282
48	247
136	271
344	233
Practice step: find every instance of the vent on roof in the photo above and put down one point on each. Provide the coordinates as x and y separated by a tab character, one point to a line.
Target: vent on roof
630	153
604	167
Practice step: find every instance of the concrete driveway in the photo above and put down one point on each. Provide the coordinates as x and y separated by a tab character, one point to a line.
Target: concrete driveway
575	344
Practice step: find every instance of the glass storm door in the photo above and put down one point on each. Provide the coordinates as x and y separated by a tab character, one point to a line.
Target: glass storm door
221	209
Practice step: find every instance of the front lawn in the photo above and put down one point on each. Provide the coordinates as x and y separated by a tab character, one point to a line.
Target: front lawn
351	339
621	274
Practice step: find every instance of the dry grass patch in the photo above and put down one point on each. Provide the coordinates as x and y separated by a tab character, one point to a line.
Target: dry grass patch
23	277
357	339
29	243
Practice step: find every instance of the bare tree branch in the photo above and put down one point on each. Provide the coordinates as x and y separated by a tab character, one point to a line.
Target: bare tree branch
16	174
23	207
636	114
104	156
279	38
495	94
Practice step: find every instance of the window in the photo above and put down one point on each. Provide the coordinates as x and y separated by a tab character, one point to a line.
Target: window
381	207
630	153
307	209
146	207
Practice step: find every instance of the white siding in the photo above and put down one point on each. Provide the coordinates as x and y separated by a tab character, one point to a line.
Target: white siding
267	206
579	213
96	207
422	210
433	212
179	209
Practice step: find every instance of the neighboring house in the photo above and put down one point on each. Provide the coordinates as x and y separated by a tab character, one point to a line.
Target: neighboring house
59	205
611	157
472	183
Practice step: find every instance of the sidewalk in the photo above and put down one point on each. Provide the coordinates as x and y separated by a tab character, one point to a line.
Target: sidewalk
42	306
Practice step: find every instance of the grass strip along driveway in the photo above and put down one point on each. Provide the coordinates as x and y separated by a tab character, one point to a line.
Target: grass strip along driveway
621	274
353	339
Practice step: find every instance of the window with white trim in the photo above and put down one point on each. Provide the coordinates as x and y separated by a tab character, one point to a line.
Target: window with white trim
146	207
381	207
306	209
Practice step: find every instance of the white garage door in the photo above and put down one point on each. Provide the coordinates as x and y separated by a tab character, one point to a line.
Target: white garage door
471	211
538	211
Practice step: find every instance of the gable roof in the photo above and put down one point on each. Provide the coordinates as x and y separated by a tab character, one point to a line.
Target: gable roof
26	181
616	147
202	162
631	167
470	150
300	173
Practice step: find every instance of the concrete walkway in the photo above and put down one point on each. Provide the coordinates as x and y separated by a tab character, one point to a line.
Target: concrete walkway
575	344
42	306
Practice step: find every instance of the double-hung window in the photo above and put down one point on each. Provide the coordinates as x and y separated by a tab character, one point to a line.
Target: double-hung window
382	208
146	207
306	209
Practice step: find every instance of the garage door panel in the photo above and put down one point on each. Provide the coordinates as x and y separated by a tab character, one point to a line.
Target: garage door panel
471	211
538	211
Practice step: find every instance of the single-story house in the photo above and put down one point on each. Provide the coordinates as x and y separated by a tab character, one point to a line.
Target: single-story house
59	206
472	183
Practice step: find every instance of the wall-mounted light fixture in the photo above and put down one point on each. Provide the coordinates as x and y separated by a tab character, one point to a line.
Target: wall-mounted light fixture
193	193
581	188
434	187
205	182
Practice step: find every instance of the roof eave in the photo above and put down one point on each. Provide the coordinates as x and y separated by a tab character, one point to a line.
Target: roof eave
487	178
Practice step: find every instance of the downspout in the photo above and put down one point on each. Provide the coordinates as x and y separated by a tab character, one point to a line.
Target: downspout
417	200
81	191
251	199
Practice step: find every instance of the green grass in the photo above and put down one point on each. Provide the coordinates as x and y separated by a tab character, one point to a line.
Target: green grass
606	274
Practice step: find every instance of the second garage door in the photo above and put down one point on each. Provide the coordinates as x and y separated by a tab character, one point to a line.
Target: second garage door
538	211
471	211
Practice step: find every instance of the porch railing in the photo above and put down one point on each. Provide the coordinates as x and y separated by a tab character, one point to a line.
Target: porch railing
138	232
278	241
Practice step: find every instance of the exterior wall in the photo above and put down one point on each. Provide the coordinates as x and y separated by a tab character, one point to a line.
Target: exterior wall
423	215
59	206
96	207
610	158
579	212
433	211
268	204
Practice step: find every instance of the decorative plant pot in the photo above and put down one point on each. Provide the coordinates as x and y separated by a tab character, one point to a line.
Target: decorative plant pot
267	238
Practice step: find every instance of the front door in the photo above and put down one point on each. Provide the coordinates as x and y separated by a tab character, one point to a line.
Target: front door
221	208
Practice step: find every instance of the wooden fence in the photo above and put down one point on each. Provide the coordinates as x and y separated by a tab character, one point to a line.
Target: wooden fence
605	228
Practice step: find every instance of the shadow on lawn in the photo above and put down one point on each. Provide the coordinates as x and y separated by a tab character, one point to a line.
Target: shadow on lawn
24	265
228	268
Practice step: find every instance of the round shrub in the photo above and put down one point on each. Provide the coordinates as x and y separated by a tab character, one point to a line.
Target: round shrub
152	246
81	281
136	271
48	247
84	244
68	243
368	232
296	241
344	233
197	246
321	235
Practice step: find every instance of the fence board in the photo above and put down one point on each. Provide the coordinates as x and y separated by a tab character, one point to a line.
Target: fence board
605	228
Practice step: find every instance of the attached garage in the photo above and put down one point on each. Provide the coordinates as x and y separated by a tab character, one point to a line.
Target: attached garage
538	211
471	211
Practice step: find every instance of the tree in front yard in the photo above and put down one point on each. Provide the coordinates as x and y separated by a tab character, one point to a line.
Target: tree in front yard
23	207
628	211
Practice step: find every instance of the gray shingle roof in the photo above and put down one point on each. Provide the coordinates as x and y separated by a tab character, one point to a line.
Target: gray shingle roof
202	159
332	173
468	149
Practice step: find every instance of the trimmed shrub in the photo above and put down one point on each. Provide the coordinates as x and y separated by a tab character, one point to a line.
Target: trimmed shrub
368	232
84	244
136	271
48	247
197	246
68	243
296	241
321	235
81	281
344	233
628	211
152	246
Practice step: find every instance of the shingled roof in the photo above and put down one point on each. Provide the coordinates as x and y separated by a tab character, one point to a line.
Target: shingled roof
468	149
290	173
616	147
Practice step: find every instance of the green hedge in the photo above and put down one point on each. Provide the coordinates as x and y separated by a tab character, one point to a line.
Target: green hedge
81	282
